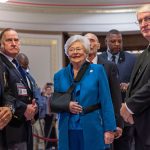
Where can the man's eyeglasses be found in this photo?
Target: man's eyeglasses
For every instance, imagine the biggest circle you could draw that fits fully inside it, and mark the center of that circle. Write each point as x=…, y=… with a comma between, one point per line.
x=146, y=20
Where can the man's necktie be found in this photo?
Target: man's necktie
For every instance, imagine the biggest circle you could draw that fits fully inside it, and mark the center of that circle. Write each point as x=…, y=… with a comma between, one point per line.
x=14, y=61
x=19, y=68
x=113, y=58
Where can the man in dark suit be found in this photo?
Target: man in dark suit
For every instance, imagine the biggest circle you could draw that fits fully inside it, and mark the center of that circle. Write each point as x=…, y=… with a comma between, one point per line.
x=6, y=108
x=112, y=74
x=125, y=63
x=24, y=62
x=136, y=108
x=19, y=130
x=37, y=124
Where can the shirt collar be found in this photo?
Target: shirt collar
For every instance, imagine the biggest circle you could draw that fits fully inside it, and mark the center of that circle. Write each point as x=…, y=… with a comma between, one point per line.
x=94, y=61
x=8, y=57
x=109, y=54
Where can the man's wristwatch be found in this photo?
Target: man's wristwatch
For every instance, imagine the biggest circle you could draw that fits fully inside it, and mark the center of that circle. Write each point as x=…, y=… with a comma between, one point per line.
x=12, y=109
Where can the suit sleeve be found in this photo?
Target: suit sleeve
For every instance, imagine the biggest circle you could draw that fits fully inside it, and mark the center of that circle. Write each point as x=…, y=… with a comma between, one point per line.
x=19, y=106
x=106, y=102
x=140, y=100
x=9, y=98
x=115, y=93
x=5, y=92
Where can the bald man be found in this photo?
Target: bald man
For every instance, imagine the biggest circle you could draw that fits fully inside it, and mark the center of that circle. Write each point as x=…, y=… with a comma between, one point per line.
x=112, y=74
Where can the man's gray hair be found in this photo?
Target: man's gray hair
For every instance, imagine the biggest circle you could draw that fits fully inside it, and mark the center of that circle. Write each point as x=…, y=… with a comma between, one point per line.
x=144, y=8
x=84, y=41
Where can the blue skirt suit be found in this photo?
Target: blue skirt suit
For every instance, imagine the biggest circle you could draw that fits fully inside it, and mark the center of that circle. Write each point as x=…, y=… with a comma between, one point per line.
x=92, y=89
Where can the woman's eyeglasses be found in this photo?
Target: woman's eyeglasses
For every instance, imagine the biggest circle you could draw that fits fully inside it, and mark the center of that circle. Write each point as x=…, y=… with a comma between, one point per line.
x=75, y=49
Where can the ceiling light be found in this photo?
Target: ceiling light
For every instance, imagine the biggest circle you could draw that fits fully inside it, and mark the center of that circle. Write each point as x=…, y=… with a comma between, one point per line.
x=3, y=1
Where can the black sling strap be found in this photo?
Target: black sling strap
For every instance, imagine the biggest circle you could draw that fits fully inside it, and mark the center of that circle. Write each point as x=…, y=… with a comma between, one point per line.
x=60, y=101
x=79, y=76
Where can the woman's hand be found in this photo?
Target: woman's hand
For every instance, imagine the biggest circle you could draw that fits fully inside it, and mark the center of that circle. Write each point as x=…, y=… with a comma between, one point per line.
x=75, y=108
x=109, y=137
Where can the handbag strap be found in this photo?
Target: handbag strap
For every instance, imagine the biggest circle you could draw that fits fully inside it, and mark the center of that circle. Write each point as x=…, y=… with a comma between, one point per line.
x=79, y=76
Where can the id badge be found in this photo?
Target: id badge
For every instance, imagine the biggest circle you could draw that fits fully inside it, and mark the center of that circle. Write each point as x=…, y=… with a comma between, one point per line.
x=22, y=91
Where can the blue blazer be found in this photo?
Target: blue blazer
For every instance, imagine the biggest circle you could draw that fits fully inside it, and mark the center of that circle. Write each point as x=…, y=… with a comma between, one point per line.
x=92, y=89
x=125, y=66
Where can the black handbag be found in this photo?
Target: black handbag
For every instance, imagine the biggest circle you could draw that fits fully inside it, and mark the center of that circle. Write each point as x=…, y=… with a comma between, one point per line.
x=60, y=101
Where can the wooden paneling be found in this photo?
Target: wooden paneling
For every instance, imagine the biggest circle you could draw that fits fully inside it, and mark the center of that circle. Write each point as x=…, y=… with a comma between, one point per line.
x=130, y=42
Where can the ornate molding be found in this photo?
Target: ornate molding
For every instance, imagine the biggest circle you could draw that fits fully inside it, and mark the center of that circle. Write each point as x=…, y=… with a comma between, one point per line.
x=70, y=9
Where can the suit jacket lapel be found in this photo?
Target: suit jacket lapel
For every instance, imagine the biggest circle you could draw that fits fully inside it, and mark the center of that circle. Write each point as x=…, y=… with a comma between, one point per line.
x=10, y=65
x=104, y=55
x=31, y=81
x=121, y=57
x=99, y=59
x=140, y=72
x=1, y=77
x=139, y=68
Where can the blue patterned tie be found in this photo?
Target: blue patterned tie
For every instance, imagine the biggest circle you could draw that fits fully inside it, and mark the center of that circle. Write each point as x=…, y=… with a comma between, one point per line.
x=19, y=68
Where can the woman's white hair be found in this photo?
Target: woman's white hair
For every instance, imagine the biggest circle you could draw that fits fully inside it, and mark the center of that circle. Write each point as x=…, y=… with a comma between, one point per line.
x=84, y=41
x=144, y=8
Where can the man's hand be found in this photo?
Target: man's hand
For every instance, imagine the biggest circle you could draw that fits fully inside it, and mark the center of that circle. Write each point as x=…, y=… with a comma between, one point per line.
x=31, y=110
x=118, y=132
x=34, y=104
x=126, y=114
x=124, y=87
x=5, y=116
x=130, y=119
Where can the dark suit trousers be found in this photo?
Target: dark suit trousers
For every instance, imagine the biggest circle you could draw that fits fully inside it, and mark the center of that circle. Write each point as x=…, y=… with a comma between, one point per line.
x=2, y=148
x=48, y=128
x=2, y=145
x=139, y=145
x=19, y=146
x=125, y=142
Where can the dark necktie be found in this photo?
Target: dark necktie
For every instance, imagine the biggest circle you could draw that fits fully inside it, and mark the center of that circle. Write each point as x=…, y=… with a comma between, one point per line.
x=19, y=68
x=113, y=58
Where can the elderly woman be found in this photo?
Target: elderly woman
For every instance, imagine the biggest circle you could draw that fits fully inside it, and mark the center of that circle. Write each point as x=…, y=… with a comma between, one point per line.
x=92, y=130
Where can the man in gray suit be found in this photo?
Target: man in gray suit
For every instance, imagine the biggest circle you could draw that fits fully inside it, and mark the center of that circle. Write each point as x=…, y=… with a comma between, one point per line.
x=136, y=108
